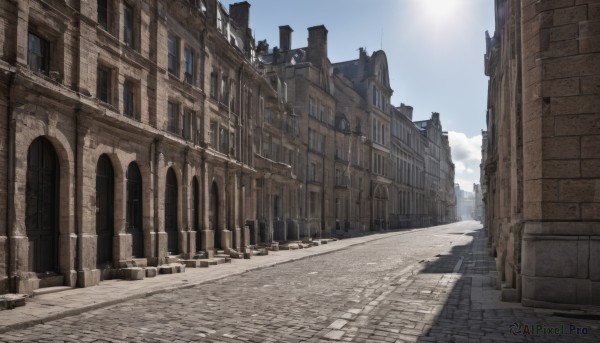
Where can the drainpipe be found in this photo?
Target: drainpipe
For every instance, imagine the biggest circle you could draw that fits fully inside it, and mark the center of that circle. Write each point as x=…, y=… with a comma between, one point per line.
x=12, y=279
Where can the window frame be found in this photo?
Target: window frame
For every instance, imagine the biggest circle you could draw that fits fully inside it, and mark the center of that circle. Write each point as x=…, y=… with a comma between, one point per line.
x=173, y=118
x=188, y=54
x=129, y=97
x=43, y=55
x=107, y=90
x=173, y=56
x=129, y=26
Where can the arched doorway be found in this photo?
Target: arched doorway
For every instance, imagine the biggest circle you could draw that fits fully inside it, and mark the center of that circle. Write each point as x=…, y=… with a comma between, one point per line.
x=134, y=210
x=41, y=217
x=104, y=211
x=196, y=210
x=171, y=196
x=380, y=203
x=213, y=214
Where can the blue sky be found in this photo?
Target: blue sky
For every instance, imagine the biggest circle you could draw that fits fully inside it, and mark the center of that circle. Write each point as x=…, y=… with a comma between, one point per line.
x=434, y=48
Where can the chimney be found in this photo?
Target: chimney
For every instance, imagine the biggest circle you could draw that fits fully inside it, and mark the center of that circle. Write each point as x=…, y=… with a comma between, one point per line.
x=275, y=55
x=317, y=45
x=263, y=47
x=240, y=13
x=406, y=110
x=362, y=54
x=285, y=38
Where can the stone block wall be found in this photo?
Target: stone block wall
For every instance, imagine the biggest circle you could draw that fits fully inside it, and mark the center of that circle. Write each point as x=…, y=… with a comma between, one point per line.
x=560, y=128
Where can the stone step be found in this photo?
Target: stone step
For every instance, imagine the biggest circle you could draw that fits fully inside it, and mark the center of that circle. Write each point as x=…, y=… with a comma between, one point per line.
x=191, y=263
x=140, y=262
x=10, y=301
x=222, y=256
x=134, y=273
x=172, y=259
x=151, y=271
x=51, y=280
x=171, y=268
x=50, y=290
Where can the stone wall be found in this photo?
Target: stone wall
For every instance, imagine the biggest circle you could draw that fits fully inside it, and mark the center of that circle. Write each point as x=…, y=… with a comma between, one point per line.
x=543, y=209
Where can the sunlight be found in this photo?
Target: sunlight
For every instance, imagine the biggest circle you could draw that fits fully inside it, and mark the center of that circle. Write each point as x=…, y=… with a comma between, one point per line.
x=439, y=10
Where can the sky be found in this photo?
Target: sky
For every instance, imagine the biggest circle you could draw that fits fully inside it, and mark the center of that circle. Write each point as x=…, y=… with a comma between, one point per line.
x=434, y=48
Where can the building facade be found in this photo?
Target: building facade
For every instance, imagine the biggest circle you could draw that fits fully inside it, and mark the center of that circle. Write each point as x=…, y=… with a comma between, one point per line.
x=541, y=168
x=141, y=133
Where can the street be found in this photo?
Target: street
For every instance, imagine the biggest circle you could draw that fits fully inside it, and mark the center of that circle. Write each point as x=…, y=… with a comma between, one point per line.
x=422, y=285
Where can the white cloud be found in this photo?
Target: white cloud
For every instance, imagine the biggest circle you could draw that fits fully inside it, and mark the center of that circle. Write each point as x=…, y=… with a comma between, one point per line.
x=466, y=155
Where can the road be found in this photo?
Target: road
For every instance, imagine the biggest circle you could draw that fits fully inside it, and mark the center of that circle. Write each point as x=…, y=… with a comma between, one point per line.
x=422, y=285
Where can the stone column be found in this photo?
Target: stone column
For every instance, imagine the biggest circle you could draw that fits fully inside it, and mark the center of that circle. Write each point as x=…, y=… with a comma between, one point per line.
x=207, y=237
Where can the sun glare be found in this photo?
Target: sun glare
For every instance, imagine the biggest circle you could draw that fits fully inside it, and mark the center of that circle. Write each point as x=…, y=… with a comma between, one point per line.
x=439, y=10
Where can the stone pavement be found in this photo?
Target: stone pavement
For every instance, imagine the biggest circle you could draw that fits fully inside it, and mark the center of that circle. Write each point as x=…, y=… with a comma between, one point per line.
x=423, y=285
x=48, y=307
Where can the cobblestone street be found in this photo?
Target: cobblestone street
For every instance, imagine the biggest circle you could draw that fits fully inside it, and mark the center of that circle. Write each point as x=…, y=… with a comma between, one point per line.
x=423, y=285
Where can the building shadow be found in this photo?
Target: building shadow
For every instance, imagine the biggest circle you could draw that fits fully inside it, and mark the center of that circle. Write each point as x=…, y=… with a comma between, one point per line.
x=471, y=311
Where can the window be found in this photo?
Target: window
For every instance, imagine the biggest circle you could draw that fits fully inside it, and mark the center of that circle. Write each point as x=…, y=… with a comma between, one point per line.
x=312, y=203
x=173, y=51
x=189, y=65
x=103, y=85
x=378, y=164
x=38, y=53
x=188, y=125
x=232, y=92
x=378, y=132
x=312, y=172
x=128, y=25
x=322, y=113
x=224, y=91
x=312, y=107
x=104, y=14
x=214, y=130
x=173, y=119
x=128, y=99
x=223, y=140
x=213, y=85
x=375, y=96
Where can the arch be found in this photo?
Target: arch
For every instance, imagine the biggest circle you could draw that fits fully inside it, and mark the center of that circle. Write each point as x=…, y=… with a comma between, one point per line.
x=213, y=214
x=42, y=210
x=134, y=217
x=105, y=197
x=171, y=212
x=380, y=203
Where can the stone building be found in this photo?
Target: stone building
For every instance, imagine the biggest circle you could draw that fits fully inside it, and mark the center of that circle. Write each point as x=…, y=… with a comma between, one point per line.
x=541, y=171
x=440, y=200
x=408, y=157
x=142, y=133
x=130, y=133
